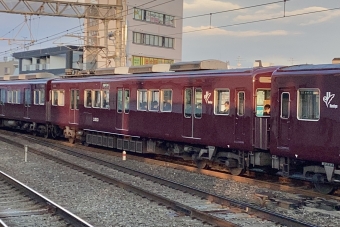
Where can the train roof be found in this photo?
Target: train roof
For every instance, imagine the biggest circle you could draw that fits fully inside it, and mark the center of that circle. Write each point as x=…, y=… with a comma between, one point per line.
x=308, y=67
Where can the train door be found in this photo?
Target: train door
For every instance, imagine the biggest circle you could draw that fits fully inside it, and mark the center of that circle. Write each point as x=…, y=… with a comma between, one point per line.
x=284, y=119
x=123, y=109
x=192, y=112
x=28, y=102
x=240, y=117
x=2, y=101
x=74, y=109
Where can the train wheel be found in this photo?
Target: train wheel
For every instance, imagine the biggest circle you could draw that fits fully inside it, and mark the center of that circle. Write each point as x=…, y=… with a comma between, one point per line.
x=321, y=184
x=201, y=164
x=47, y=132
x=236, y=171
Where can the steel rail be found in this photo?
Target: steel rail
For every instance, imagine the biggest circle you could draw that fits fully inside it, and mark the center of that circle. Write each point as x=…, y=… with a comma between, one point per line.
x=246, y=207
x=68, y=216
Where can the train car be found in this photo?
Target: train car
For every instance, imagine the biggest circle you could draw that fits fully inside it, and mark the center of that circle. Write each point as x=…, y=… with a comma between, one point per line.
x=210, y=116
x=305, y=123
x=24, y=102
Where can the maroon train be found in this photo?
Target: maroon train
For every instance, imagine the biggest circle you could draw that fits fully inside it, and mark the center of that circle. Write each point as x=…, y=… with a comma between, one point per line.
x=212, y=116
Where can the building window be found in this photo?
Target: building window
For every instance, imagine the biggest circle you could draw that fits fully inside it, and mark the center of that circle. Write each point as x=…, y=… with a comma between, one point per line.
x=138, y=60
x=7, y=71
x=153, y=40
x=309, y=104
x=153, y=17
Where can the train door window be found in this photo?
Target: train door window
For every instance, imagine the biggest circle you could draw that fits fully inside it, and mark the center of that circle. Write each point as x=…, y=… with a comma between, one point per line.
x=222, y=101
x=96, y=99
x=240, y=103
x=262, y=102
x=3, y=96
x=308, y=104
x=74, y=99
x=120, y=100
x=127, y=101
x=105, y=98
x=198, y=103
x=153, y=100
x=9, y=96
x=142, y=100
x=166, y=100
x=187, y=103
x=285, y=105
x=88, y=99
x=28, y=100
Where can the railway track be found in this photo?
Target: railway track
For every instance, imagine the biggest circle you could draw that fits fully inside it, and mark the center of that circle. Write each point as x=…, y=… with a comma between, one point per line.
x=22, y=206
x=210, y=208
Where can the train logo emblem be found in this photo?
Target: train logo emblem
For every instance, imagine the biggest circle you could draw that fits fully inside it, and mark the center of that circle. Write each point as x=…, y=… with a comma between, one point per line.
x=206, y=97
x=327, y=99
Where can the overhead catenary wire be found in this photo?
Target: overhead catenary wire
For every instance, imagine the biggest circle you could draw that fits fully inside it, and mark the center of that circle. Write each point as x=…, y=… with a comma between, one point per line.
x=203, y=29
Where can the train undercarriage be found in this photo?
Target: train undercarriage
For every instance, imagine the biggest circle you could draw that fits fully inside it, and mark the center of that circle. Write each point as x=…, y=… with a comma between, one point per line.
x=325, y=176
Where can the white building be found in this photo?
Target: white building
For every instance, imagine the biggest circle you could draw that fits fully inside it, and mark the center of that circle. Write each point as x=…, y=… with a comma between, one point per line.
x=151, y=33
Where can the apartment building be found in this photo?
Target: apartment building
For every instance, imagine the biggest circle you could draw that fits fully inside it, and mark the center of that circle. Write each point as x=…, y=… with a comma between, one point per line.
x=8, y=66
x=53, y=60
x=149, y=33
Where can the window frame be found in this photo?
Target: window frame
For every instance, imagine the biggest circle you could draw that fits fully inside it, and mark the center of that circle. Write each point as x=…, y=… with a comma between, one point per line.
x=86, y=104
x=238, y=103
x=163, y=100
x=98, y=91
x=120, y=110
x=140, y=102
x=61, y=100
x=288, y=106
x=41, y=97
x=298, y=104
x=217, y=105
x=189, y=115
x=150, y=92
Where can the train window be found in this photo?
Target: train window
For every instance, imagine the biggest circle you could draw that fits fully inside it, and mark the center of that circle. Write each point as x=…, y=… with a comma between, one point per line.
x=74, y=99
x=9, y=96
x=142, y=100
x=96, y=99
x=222, y=101
x=127, y=101
x=262, y=102
x=166, y=100
x=309, y=104
x=39, y=97
x=28, y=100
x=198, y=102
x=58, y=98
x=153, y=100
x=88, y=99
x=16, y=97
x=120, y=100
x=285, y=105
x=3, y=96
x=187, y=103
x=105, y=98
x=240, y=103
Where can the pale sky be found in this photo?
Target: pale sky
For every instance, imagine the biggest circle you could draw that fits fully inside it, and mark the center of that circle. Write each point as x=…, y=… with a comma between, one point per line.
x=230, y=36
